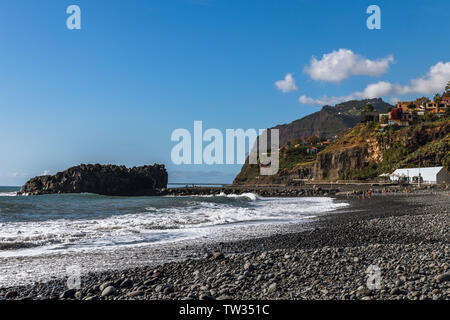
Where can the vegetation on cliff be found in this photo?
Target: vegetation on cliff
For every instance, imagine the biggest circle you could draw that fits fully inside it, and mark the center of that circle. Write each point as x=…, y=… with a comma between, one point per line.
x=368, y=150
x=363, y=153
x=329, y=121
x=295, y=160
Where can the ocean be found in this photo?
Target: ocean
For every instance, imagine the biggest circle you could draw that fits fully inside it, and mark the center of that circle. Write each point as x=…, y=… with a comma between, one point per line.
x=60, y=223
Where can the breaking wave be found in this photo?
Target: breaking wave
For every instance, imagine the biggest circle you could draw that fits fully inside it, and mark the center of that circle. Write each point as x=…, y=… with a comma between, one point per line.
x=58, y=223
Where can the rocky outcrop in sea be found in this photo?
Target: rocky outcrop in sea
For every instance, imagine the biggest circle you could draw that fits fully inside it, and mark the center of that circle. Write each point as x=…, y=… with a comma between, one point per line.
x=108, y=180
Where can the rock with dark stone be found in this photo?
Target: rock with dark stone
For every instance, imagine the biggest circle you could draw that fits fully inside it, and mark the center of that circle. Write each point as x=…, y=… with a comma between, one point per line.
x=443, y=277
x=11, y=295
x=126, y=283
x=135, y=293
x=110, y=180
x=68, y=294
x=109, y=291
x=218, y=255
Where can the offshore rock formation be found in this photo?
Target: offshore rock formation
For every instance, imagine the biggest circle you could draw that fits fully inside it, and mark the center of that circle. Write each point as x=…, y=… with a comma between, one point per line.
x=108, y=180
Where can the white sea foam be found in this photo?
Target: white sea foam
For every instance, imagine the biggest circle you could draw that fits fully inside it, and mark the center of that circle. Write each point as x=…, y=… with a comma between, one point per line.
x=8, y=194
x=159, y=224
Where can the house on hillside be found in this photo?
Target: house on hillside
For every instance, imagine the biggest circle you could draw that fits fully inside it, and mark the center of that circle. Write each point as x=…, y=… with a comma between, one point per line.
x=431, y=175
x=446, y=101
x=405, y=104
x=438, y=108
x=400, y=117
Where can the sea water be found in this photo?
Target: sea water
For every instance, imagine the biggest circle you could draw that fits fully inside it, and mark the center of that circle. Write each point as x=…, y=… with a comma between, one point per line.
x=35, y=225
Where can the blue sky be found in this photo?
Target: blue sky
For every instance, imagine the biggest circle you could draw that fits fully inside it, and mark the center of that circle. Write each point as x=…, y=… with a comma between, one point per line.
x=114, y=91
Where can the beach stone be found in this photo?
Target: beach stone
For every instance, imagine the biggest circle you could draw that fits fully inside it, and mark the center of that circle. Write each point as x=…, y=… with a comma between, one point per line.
x=11, y=294
x=68, y=294
x=218, y=256
x=443, y=277
x=135, y=293
x=273, y=287
x=126, y=283
x=206, y=297
x=168, y=290
x=148, y=282
x=396, y=291
x=248, y=266
x=207, y=255
x=109, y=291
x=105, y=285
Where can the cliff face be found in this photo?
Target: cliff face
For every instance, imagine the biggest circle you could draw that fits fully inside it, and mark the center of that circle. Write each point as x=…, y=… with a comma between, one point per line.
x=101, y=179
x=333, y=165
x=364, y=152
x=367, y=151
x=328, y=122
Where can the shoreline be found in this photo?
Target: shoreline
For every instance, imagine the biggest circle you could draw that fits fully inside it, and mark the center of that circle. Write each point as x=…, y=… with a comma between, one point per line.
x=323, y=259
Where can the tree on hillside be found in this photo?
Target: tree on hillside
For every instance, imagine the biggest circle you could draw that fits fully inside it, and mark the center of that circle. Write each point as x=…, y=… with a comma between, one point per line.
x=422, y=101
x=411, y=106
x=389, y=109
x=312, y=140
x=447, y=90
x=296, y=141
x=368, y=107
x=437, y=98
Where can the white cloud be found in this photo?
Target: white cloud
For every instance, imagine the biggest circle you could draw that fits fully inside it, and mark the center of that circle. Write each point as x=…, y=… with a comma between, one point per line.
x=434, y=82
x=341, y=64
x=394, y=100
x=46, y=172
x=286, y=85
x=325, y=100
x=375, y=90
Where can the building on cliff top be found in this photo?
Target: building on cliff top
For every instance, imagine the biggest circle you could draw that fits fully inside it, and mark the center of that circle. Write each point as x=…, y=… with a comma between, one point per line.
x=400, y=116
x=430, y=175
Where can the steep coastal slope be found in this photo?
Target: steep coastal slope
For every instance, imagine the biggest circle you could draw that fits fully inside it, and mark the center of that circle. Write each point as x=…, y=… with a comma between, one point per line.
x=363, y=153
x=367, y=151
x=329, y=121
x=326, y=123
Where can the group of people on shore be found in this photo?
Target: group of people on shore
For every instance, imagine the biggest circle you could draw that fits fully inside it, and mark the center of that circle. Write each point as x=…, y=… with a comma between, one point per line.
x=367, y=194
x=361, y=194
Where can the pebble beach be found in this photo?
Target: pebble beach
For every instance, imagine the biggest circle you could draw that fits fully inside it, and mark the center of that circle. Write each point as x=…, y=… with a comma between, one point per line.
x=386, y=247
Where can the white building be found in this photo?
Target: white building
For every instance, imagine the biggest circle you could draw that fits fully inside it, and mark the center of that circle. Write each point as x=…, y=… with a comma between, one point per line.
x=431, y=175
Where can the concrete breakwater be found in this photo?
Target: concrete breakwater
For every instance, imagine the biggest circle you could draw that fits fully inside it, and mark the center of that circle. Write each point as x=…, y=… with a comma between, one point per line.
x=280, y=191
